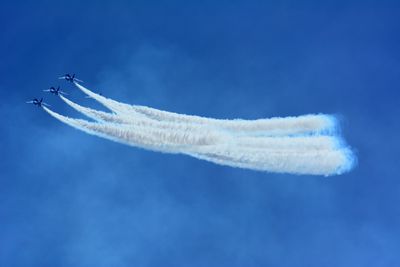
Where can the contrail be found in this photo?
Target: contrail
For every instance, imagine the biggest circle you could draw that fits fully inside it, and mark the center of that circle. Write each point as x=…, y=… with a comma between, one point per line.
x=145, y=137
x=202, y=136
x=92, y=113
x=273, y=126
x=214, y=148
x=307, y=124
x=278, y=142
x=305, y=149
x=132, y=120
x=328, y=162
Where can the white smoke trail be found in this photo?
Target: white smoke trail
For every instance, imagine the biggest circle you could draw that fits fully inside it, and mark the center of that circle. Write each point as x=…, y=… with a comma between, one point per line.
x=132, y=120
x=274, y=126
x=315, y=162
x=112, y=105
x=145, y=137
x=92, y=113
x=278, y=142
x=307, y=124
x=316, y=154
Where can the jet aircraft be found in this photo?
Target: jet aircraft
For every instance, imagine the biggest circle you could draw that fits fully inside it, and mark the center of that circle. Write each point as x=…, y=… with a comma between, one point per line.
x=55, y=91
x=38, y=102
x=70, y=78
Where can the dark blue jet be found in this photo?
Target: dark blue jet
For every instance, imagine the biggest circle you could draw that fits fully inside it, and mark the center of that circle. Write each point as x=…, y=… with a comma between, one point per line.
x=55, y=91
x=38, y=102
x=70, y=78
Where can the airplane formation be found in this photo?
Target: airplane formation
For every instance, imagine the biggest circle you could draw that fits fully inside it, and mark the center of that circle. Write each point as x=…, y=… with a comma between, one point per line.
x=56, y=91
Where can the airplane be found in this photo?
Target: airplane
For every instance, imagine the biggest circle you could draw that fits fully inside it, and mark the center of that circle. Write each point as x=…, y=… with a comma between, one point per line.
x=70, y=78
x=37, y=102
x=55, y=91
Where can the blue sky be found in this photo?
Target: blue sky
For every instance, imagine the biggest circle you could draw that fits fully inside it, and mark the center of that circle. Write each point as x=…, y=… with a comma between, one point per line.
x=70, y=199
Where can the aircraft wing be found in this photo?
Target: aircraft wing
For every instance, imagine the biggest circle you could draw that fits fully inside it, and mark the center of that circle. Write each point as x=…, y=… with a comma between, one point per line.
x=29, y=102
x=46, y=90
